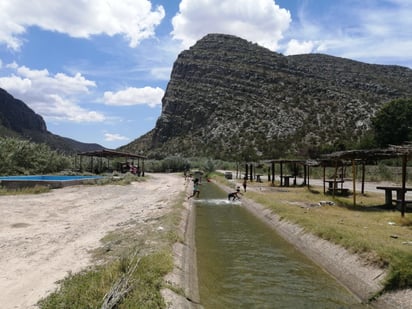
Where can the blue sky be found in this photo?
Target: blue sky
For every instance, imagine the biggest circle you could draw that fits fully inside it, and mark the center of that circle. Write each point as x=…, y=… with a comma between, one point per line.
x=96, y=70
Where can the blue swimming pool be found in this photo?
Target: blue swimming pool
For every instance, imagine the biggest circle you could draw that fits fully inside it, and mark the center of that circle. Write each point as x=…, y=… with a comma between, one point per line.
x=51, y=181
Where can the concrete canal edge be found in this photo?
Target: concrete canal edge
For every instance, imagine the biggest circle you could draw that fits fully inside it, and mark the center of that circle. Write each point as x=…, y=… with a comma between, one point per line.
x=355, y=274
x=183, y=278
x=358, y=276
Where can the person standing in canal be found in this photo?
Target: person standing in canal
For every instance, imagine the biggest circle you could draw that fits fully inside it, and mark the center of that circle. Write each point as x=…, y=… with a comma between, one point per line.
x=196, y=190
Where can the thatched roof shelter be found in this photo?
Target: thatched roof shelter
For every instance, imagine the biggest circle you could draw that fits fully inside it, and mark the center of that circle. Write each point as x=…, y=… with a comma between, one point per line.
x=373, y=155
x=111, y=154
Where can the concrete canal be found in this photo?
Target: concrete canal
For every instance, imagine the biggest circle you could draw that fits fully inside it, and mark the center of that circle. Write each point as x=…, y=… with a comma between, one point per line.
x=242, y=263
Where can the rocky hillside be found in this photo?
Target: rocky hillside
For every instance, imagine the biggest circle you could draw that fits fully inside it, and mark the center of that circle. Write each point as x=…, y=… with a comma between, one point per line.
x=229, y=98
x=20, y=121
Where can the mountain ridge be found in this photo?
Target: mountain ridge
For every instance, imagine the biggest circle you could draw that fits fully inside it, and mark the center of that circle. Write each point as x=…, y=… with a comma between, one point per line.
x=20, y=121
x=228, y=98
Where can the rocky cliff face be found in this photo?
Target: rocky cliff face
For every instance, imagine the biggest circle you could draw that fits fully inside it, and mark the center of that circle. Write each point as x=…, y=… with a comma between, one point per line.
x=19, y=120
x=229, y=98
x=17, y=116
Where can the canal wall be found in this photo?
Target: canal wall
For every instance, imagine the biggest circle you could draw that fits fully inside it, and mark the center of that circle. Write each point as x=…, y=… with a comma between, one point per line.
x=184, y=292
x=357, y=275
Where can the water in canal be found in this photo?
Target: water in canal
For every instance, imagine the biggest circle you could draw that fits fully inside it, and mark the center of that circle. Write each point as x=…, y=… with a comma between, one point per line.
x=242, y=263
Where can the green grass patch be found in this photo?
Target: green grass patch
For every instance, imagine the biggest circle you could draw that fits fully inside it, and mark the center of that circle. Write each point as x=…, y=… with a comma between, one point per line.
x=380, y=235
x=29, y=190
x=87, y=289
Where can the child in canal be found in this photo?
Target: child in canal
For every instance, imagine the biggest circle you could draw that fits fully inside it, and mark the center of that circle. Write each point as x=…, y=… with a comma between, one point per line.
x=234, y=195
x=196, y=190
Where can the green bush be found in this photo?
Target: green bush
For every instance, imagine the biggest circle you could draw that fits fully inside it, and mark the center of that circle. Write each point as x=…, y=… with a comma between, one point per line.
x=22, y=157
x=393, y=123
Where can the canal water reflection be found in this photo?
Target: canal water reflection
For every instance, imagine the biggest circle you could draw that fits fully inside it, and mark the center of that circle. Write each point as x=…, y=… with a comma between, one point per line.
x=242, y=263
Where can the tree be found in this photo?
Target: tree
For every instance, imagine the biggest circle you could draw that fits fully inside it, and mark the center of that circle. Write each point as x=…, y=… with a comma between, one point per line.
x=393, y=123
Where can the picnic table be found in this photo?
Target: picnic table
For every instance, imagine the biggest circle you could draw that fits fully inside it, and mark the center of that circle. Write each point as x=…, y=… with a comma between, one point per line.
x=286, y=179
x=388, y=194
x=333, y=186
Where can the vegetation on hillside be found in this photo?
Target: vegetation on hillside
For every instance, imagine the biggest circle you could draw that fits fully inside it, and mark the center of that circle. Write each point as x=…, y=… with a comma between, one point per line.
x=233, y=100
x=22, y=157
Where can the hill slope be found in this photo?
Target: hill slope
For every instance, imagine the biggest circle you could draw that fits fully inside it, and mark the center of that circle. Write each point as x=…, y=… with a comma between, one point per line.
x=20, y=121
x=229, y=98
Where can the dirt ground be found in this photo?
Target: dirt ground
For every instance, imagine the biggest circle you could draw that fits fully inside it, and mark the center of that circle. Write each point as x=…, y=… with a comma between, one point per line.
x=45, y=236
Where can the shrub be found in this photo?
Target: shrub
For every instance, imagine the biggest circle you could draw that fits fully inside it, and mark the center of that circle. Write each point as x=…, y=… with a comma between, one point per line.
x=22, y=157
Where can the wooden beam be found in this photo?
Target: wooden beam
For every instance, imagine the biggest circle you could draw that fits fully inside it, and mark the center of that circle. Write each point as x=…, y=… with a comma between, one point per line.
x=404, y=162
x=354, y=181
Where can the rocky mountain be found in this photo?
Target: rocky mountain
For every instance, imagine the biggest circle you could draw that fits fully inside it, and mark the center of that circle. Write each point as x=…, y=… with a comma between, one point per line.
x=232, y=99
x=19, y=120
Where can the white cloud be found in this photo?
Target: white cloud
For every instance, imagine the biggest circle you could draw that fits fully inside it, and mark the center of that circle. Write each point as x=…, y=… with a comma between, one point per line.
x=134, y=19
x=135, y=96
x=53, y=97
x=113, y=137
x=16, y=84
x=260, y=21
x=295, y=47
x=370, y=31
x=161, y=73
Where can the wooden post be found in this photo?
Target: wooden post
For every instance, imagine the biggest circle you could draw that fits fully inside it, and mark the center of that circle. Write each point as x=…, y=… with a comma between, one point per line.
x=281, y=174
x=324, y=178
x=273, y=173
x=334, y=177
x=294, y=173
x=403, y=206
x=363, y=177
x=354, y=181
x=251, y=171
x=305, y=173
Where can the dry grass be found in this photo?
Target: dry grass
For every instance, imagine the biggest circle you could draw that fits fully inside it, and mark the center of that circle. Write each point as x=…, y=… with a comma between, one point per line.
x=139, y=254
x=382, y=236
x=38, y=189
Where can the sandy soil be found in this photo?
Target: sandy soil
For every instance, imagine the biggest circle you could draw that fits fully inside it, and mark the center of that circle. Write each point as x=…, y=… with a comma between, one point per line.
x=43, y=237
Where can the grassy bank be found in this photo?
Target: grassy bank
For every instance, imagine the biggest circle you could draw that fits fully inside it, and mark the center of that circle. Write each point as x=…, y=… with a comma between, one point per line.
x=131, y=264
x=380, y=236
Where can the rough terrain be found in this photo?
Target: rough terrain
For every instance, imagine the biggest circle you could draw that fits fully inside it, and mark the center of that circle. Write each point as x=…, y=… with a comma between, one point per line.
x=44, y=237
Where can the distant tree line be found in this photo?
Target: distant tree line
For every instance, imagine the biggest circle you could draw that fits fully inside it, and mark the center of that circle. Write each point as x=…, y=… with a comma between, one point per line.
x=392, y=125
x=22, y=157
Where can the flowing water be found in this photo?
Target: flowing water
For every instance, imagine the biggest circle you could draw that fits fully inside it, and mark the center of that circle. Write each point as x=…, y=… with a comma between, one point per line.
x=242, y=263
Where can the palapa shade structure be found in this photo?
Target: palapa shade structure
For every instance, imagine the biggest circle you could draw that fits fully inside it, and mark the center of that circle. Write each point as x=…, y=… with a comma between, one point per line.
x=373, y=155
x=110, y=154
